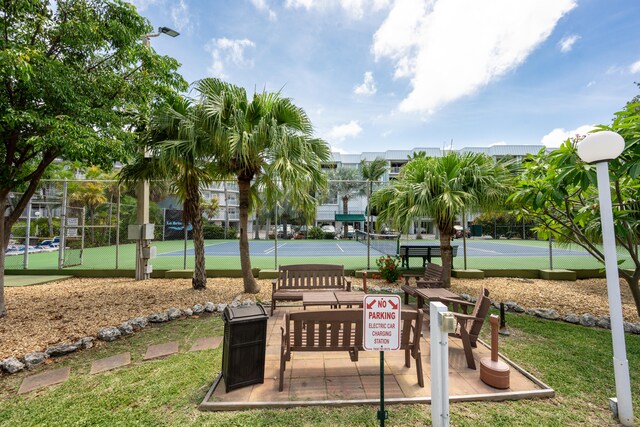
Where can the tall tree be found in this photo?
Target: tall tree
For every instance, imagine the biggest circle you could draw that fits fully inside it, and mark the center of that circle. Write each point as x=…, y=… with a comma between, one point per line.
x=372, y=172
x=439, y=188
x=179, y=151
x=264, y=142
x=70, y=72
x=346, y=182
x=560, y=191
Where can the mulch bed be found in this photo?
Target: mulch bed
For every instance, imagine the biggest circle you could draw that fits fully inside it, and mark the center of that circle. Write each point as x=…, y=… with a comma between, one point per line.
x=43, y=315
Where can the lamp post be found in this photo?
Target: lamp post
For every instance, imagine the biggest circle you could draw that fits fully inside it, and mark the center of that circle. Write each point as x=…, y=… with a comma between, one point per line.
x=600, y=148
x=142, y=190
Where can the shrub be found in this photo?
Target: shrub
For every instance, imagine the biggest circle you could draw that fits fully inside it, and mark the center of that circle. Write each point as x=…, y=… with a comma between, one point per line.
x=315, y=233
x=213, y=231
x=388, y=267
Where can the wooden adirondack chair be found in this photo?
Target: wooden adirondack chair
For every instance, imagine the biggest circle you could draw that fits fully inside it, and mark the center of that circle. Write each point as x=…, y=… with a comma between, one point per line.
x=469, y=325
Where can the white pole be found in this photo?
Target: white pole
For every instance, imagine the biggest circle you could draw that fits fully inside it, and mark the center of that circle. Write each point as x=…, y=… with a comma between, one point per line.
x=620, y=363
x=439, y=367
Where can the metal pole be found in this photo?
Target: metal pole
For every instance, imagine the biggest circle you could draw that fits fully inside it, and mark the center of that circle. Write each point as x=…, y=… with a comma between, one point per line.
x=184, y=257
x=369, y=227
x=620, y=363
x=275, y=248
x=63, y=218
x=550, y=252
x=164, y=221
x=464, y=238
x=118, y=228
x=27, y=236
x=82, y=230
x=382, y=414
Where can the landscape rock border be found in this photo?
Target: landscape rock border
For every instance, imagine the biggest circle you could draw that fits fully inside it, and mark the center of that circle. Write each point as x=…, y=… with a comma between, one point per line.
x=15, y=364
x=12, y=365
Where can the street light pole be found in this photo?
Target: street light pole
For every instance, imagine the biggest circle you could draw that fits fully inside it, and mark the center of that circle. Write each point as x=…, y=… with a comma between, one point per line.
x=600, y=148
x=142, y=190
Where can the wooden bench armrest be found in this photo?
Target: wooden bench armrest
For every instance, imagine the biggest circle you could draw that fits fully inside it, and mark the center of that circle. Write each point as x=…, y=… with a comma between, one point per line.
x=456, y=301
x=465, y=317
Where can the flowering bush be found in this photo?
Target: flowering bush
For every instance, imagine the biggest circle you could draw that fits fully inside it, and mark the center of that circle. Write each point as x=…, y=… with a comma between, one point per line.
x=388, y=267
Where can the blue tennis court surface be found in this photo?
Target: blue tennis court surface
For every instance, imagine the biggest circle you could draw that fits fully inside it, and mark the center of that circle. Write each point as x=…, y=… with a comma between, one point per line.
x=350, y=248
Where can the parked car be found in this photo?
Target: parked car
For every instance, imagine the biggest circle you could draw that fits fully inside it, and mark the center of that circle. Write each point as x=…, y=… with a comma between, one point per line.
x=351, y=232
x=47, y=245
x=329, y=231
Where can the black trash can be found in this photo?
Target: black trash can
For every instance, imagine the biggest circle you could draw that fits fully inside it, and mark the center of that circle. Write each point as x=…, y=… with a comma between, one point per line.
x=245, y=345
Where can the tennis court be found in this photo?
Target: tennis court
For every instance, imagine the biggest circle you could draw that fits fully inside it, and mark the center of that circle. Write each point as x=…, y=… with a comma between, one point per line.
x=224, y=254
x=349, y=248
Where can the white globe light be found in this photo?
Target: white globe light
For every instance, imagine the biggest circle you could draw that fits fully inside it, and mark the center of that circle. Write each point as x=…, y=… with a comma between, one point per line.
x=601, y=147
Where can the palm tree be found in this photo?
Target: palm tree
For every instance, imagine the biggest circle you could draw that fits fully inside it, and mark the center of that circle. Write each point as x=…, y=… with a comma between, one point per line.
x=347, y=182
x=180, y=150
x=264, y=142
x=439, y=188
x=372, y=172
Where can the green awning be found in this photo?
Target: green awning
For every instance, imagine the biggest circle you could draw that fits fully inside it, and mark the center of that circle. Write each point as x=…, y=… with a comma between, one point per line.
x=349, y=217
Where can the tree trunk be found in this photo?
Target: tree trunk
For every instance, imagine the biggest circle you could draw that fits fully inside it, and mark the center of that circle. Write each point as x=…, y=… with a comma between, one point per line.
x=193, y=215
x=199, y=280
x=250, y=285
x=445, y=250
x=632, y=281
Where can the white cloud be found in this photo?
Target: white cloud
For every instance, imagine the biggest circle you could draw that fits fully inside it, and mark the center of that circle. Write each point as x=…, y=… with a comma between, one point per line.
x=450, y=49
x=341, y=132
x=566, y=44
x=262, y=6
x=591, y=83
x=368, y=86
x=559, y=135
x=498, y=143
x=336, y=149
x=180, y=16
x=635, y=67
x=224, y=51
x=142, y=5
x=354, y=9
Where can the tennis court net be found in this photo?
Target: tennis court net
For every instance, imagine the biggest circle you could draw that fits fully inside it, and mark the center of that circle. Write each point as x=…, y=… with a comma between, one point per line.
x=386, y=244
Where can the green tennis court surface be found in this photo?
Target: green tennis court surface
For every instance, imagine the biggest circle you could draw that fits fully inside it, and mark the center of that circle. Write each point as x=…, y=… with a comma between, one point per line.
x=266, y=254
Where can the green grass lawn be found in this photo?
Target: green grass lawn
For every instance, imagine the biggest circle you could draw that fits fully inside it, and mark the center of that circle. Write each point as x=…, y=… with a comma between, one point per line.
x=575, y=361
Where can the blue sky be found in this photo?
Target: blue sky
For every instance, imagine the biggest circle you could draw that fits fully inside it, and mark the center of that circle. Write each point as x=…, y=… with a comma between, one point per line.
x=375, y=75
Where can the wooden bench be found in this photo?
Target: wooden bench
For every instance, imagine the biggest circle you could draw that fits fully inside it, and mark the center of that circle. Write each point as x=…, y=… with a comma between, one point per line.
x=293, y=280
x=341, y=330
x=426, y=252
x=431, y=278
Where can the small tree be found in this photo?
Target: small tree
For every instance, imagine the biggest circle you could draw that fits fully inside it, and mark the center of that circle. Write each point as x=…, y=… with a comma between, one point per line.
x=71, y=75
x=560, y=191
x=439, y=188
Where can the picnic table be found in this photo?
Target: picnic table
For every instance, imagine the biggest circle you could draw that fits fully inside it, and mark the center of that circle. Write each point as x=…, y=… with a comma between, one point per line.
x=333, y=299
x=433, y=294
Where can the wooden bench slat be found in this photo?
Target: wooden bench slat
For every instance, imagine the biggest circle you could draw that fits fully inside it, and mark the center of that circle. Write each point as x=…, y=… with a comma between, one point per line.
x=292, y=280
x=341, y=330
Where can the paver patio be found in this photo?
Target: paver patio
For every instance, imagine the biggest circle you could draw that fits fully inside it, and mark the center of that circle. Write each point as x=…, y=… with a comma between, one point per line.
x=331, y=378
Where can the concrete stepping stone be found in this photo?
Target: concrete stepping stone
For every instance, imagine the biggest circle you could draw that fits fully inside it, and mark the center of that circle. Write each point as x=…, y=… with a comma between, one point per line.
x=44, y=379
x=109, y=363
x=161, y=350
x=206, y=343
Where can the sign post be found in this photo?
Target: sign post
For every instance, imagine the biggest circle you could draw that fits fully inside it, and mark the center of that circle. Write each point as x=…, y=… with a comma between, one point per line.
x=381, y=332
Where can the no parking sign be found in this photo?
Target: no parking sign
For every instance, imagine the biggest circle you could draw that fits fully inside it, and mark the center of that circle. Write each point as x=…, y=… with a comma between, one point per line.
x=381, y=322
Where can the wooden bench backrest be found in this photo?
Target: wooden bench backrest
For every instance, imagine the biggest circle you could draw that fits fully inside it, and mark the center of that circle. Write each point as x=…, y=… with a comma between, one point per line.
x=311, y=277
x=336, y=330
x=480, y=310
x=436, y=252
x=433, y=271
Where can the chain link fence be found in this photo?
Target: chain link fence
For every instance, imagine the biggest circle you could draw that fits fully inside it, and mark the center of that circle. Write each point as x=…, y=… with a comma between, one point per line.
x=83, y=224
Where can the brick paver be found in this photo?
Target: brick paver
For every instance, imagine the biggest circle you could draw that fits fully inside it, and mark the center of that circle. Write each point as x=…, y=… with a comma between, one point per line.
x=109, y=363
x=44, y=379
